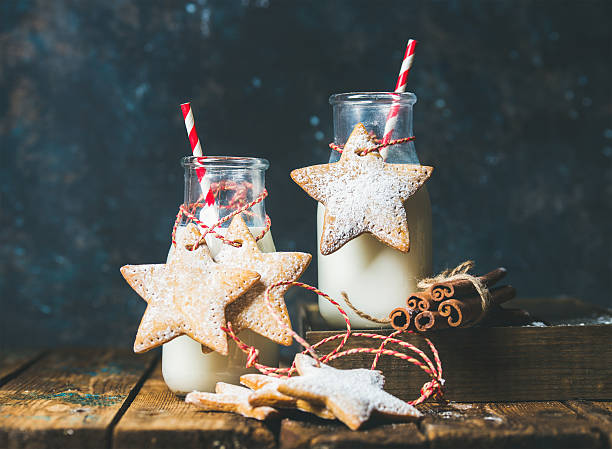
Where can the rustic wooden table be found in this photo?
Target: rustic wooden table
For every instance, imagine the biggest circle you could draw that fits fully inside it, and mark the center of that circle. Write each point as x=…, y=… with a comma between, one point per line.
x=88, y=398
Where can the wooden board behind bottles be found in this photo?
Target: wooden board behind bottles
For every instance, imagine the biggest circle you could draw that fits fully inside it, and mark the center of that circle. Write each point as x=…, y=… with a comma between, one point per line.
x=571, y=358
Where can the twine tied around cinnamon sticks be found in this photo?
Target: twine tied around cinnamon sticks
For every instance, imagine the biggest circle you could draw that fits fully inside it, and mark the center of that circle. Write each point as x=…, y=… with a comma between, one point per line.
x=455, y=298
x=444, y=286
x=459, y=273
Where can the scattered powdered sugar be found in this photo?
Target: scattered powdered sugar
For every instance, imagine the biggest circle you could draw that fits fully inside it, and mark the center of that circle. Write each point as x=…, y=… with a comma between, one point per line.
x=461, y=406
x=449, y=414
x=537, y=324
x=352, y=395
x=362, y=194
x=588, y=321
x=494, y=418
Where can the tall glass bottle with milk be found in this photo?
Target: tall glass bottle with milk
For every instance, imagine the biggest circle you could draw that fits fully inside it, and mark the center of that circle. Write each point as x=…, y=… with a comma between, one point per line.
x=236, y=181
x=375, y=277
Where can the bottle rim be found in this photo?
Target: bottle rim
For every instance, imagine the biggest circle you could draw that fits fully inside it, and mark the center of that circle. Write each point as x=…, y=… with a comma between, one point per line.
x=225, y=162
x=407, y=98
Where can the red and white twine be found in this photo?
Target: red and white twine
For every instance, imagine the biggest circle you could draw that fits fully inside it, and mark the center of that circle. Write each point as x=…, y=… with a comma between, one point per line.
x=432, y=388
x=380, y=147
x=188, y=211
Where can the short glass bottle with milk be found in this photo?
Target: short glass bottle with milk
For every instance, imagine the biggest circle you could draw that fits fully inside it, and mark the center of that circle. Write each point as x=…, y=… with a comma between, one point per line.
x=375, y=277
x=236, y=182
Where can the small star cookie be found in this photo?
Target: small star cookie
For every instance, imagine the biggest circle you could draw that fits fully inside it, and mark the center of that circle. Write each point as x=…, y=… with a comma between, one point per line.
x=230, y=398
x=362, y=194
x=353, y=396
x=250, y=310
x=266, y=394
x=186, y=296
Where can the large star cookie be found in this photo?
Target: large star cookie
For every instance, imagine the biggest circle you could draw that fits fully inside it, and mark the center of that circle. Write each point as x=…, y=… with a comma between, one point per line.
x=266, y=394
x=230, y=398
x=250, y=310
x=352, y=395
x=362, y=194
x=186, y=296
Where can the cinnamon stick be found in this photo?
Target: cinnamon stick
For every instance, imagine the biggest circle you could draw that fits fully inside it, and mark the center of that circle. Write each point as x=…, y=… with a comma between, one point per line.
x=459, y=312
x=499, y=316
x=429, y=320
x=413, y=302
x=420, y=301
x=462, y=288
x=500, y=295
x=467, y=310
x=400, y=319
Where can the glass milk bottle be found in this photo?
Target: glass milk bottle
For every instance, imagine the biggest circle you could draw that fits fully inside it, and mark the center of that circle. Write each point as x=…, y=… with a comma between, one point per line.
x=235, y=181
x=376, y=277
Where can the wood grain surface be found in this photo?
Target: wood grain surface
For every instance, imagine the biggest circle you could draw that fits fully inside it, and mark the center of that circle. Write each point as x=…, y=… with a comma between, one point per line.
x=560, y=362
x=114, y=399
x=508, y=425
x=14, y=361
x=310, y=434
x=159, y=419
x=70, y=398
x=598, y=413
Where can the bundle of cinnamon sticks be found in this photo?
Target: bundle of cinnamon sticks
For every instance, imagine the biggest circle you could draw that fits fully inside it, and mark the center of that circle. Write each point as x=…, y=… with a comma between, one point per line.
x=457, y=303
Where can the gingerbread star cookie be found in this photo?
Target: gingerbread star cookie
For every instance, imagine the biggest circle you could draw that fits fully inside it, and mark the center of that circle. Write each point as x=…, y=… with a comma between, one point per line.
x=353, y=396
x=186, y=296
x=266, y=394
x=250, y=310
x=230, y=398
x=362, y=194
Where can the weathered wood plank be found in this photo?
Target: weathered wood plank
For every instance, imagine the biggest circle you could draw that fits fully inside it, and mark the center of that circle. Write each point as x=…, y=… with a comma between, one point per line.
x=14, y=361
x=501, y=364
x=563, y=310
x=69, y=398
x=299, y=434
x=543, y=363
x=598, y=413
x=507, y=425
x=159, y=419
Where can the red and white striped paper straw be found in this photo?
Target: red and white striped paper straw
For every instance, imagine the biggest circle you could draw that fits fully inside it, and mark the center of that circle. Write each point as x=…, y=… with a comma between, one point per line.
x=400, y=87
x=196, y=150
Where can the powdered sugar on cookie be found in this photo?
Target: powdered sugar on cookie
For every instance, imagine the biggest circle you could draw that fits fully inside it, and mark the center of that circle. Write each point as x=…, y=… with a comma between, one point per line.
x=352, y=395
x=362, y=194
x=250, y=310
x=186, y=296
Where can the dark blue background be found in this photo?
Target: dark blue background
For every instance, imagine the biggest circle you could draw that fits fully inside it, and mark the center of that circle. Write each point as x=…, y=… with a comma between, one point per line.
x=514, y=112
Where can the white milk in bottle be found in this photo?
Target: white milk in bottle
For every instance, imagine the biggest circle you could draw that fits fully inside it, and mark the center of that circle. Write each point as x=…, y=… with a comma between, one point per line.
x=375, y=277
x=184, y=367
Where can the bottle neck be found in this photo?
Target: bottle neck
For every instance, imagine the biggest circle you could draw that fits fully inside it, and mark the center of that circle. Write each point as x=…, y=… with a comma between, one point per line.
x=373, y=111
x=220, y=189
